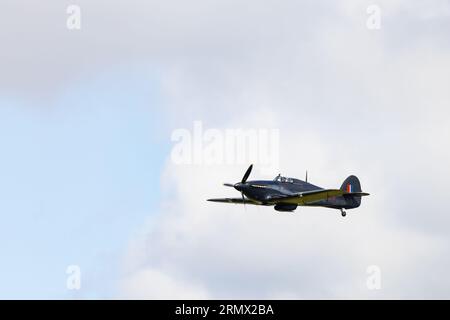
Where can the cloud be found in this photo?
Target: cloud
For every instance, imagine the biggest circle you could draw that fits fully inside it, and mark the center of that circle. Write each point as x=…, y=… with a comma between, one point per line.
x=347, y=101
x=153, y=284
x=232, y=252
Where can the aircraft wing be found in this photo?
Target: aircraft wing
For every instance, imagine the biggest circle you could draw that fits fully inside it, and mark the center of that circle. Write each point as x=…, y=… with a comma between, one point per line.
x=301, y=198
x=234, y=200
x=308, y=197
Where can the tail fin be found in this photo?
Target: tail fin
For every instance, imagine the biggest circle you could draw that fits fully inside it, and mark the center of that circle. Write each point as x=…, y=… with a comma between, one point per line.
x=352, y=187
x=351, y=184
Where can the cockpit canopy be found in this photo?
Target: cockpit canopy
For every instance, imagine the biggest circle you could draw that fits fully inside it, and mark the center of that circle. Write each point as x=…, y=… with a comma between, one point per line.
x=279, y=178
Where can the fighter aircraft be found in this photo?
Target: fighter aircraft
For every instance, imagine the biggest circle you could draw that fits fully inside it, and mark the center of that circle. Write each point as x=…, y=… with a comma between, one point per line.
x=288, y=193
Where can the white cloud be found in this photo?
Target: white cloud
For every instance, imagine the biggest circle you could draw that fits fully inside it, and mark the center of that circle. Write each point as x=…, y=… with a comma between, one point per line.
x=347, y=101
x=232, y=252
x=154, y=284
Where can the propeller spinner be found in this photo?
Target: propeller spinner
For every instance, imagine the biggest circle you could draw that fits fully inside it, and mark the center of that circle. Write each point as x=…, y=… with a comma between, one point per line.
x=238, y=186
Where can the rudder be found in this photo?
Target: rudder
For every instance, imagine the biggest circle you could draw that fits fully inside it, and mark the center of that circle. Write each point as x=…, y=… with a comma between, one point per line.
x=352, y=184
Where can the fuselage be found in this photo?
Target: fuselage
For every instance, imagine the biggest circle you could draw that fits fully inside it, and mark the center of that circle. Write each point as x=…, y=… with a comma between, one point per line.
x=263, y=190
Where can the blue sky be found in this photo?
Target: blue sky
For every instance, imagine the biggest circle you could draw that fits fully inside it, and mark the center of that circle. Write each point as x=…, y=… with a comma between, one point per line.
x=79, y=173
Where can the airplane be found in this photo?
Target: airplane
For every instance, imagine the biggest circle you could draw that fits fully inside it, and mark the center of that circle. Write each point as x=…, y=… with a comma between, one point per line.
x=286, y=194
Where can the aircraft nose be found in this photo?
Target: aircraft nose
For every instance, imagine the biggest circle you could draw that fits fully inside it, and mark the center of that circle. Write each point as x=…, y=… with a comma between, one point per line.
x=241, y=187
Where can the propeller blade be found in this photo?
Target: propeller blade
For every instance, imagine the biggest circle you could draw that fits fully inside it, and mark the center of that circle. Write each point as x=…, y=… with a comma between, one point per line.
x=228, y=185
x=247, y=173
x=306, y=179
x=243, y=200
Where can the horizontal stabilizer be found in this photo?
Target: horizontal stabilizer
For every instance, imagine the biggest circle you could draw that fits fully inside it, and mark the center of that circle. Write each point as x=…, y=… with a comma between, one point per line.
x=357, y=194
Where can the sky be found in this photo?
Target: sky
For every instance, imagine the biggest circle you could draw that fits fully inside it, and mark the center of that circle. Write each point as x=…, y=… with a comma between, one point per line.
x=87, y=175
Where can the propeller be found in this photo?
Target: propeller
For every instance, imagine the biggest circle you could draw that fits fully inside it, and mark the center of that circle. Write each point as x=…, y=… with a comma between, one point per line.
x=243, y=200
x=238, y=186
x=306, y=179
x=247, y=173
x=244, y=180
